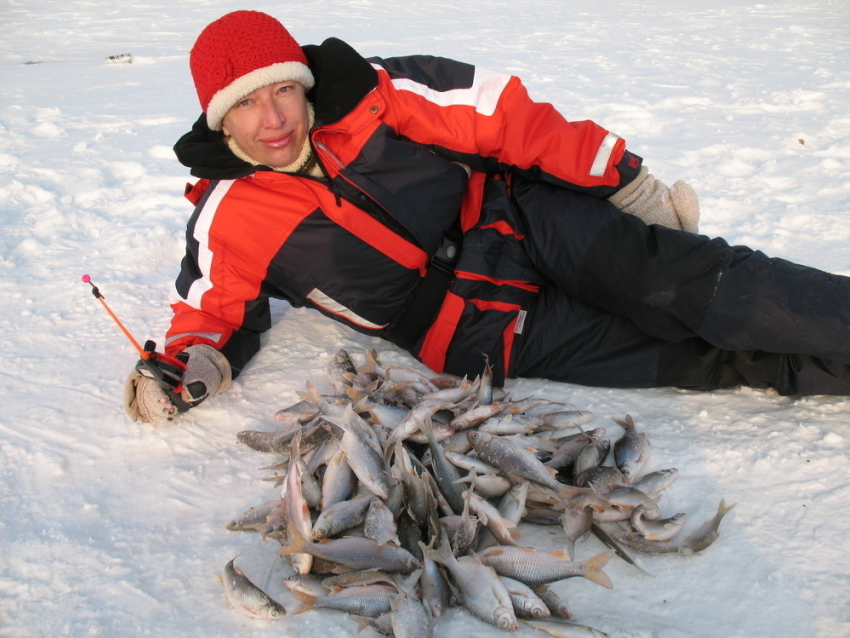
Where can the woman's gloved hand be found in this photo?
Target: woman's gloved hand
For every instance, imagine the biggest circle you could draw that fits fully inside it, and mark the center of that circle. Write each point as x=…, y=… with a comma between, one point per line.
x=207, y=372
x=649, y=199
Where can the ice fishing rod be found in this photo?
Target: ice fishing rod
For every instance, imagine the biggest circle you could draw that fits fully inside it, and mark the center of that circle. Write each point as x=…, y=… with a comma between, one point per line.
x=166, y=370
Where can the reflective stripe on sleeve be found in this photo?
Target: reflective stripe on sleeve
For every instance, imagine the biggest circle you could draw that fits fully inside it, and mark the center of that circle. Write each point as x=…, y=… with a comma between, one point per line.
x=484, y=94
x=212, y=336
x=201, y=234
x=321, y=299
x=603, y=155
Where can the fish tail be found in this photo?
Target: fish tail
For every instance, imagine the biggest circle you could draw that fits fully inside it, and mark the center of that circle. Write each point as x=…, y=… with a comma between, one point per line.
x=571, y=547
x=593, y=569
x=722, y=509
x=312, y=395
x=371, y=364
x=297, y=542
x=443, y=554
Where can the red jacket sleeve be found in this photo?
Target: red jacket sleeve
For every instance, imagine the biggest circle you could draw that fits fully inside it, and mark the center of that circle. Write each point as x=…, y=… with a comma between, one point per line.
x=490, y=118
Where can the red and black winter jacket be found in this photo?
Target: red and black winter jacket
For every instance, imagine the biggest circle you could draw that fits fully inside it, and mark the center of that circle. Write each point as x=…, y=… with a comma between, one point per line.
x=412, y=146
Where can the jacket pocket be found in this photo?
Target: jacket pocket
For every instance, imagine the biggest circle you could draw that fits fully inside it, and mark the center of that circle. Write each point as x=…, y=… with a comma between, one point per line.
x=468, y=330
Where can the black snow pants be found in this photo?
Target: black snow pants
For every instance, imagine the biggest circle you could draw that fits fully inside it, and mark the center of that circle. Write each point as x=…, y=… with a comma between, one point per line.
x=636, y=306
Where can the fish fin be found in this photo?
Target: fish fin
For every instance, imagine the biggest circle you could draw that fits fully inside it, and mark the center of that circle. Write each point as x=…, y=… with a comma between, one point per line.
x=593, y=569
x=297, y=542
x=362, y=622
x=561, y=553
x=514, y=533
x=302, y=609
x=568, y=494
x=305, y=597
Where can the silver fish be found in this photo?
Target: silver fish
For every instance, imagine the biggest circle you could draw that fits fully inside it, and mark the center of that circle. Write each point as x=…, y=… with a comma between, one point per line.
x=341, y=516
x=505, y=531
x=557, y=607
x=535, y=567
x=566, y=419
x=566, y=629
x=511, y=507
x=512, y=459
x=637, y=542
x=526, y=603
x=632, y=450
x=707, y=533
x=446, y=473
x=247, y=597
x=568, y=448
x=662, y=529
x=253, y=518
x=339, y=367
x=296, y=508
x=365, y=600
x=479, y=588
x=360, y=578
x=473, y=417
x=435, y=589
x=485, y=389
x=592, y=455
x=338, y=481
x=655, y=482
x=366, y=463
x=602, y=478
x=410, y=618
x=576, y=522
x=306, y=583
x=297, y=414
x=380, y=524
x=271, y=442
x=354, y=553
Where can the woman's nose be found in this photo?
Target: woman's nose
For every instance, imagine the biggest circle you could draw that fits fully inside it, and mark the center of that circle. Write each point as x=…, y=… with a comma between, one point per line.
x=272, y=115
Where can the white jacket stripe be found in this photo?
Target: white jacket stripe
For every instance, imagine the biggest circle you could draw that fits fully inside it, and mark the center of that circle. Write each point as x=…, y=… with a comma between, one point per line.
x=201, y=234
x=484, y=94
x=603, y=155
x=331, y=305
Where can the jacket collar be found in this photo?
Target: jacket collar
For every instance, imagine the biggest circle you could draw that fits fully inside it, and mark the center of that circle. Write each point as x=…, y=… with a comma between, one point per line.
x=343, y=79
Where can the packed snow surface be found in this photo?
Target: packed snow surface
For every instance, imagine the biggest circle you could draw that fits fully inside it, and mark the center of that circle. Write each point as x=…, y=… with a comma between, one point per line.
x=114, y=528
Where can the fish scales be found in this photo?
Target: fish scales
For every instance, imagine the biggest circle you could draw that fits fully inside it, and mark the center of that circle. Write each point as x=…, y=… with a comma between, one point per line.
x=246, y=596
x=512, y=459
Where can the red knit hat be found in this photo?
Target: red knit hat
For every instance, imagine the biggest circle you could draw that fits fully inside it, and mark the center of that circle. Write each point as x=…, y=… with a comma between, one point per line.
x=240, y=53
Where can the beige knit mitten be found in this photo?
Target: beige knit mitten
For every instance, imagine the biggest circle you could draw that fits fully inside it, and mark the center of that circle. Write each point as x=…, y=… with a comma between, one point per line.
x=145, y=401
x=649, y=199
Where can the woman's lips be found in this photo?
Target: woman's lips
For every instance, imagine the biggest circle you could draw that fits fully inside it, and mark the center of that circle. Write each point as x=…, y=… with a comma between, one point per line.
x=277, y=142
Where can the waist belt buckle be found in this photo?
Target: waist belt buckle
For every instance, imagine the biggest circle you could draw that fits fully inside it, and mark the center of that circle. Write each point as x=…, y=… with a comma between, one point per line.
x=447, y=255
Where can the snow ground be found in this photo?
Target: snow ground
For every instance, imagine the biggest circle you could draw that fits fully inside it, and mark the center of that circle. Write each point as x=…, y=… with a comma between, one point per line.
x=113, y=528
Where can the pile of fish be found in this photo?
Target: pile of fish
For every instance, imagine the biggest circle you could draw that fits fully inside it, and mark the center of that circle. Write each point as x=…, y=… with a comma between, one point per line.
x=402, y=493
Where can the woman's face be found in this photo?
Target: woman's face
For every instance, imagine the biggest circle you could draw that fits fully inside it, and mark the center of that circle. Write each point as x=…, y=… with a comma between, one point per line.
x=270, y=124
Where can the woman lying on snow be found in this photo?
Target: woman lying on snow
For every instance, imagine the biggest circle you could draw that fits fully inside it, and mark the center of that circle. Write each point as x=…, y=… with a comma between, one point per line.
x=433, y=204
